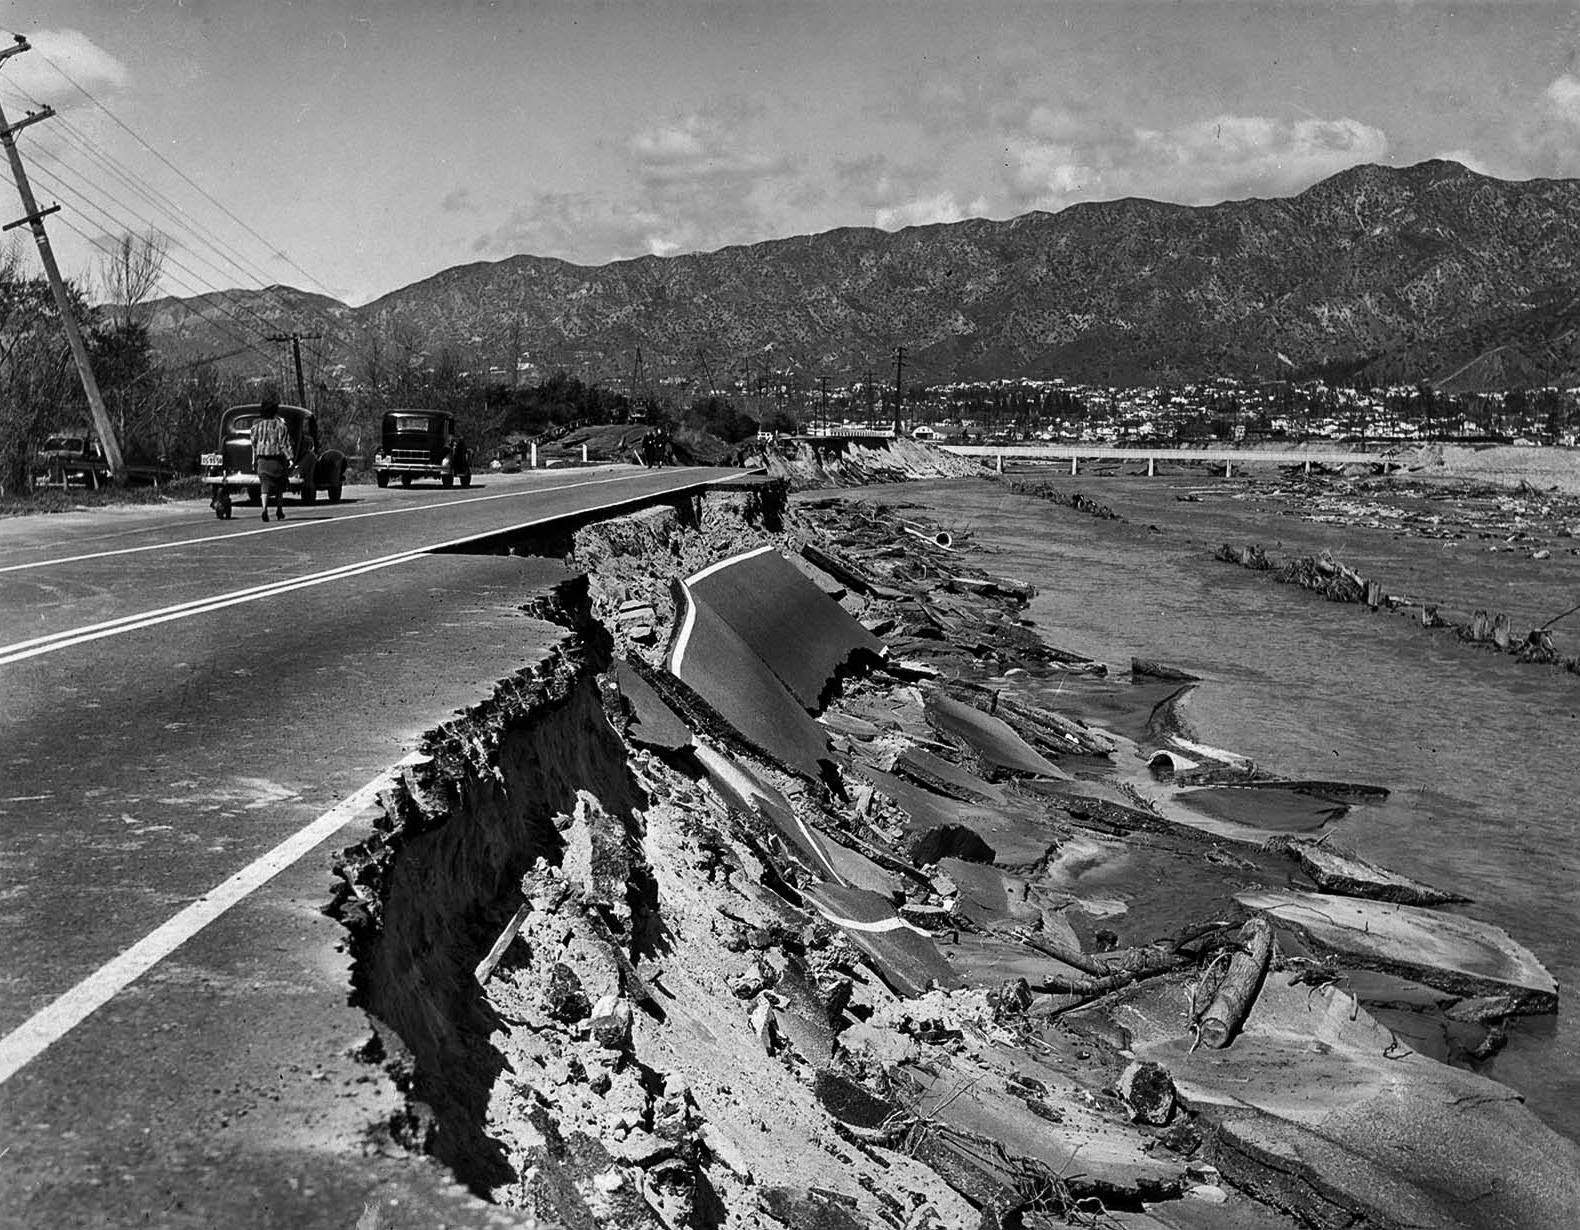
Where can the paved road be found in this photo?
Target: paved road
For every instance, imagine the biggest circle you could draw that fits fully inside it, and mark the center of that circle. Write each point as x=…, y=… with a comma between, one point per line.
x=180, y=699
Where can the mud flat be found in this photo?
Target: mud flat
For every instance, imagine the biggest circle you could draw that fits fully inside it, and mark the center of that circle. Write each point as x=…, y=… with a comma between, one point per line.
x=806, y=884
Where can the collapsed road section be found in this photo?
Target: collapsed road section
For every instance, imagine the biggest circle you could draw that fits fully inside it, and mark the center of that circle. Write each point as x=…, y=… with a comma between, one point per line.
x=806, y=884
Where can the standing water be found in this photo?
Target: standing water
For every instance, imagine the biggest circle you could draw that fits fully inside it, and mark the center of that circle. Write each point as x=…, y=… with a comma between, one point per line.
x=1480, y=752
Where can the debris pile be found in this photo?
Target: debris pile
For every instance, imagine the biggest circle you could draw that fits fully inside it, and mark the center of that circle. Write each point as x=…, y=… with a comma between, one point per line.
x=855, y=903
x=1337, y=582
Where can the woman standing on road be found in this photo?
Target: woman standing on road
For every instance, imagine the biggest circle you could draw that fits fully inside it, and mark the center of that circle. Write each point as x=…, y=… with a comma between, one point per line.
x=271, y=455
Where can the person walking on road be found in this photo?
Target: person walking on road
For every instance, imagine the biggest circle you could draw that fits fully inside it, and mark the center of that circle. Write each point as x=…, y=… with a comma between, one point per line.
x=271, y=455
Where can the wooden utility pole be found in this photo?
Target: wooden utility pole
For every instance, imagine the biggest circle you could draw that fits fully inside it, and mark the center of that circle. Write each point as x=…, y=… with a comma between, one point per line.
x=296, y=340
x=34, y=220
x=823, y=384
x=899, y=388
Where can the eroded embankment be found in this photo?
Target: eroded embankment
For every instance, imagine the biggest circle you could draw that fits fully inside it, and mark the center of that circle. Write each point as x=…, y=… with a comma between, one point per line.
x=945, y=959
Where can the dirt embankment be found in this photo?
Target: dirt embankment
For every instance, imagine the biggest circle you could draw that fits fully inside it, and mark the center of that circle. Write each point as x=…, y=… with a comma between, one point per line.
x=835, y=462
x=636, y=968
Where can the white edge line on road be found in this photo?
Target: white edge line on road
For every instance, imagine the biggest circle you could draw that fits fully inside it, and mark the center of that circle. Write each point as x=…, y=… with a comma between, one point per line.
x=677, y=657
x=53, y=641
x=51, y=1023
x=302, y=525
x=55, y=1020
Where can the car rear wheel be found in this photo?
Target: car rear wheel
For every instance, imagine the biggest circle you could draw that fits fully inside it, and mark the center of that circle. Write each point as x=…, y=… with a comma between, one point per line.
x=382, y=478
x=466, y=480
x=448, y=480
x=405, y=480
x=309, y=495
x=334, y=494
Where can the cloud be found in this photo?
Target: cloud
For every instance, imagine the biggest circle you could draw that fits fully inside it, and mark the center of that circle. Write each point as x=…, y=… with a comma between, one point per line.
x=941, y=207
x=1563, y=99
x=73, y=54
x=695, y=181
x=1059, y=157
x=1548, y=141
x=575, y=226
x=458, y=201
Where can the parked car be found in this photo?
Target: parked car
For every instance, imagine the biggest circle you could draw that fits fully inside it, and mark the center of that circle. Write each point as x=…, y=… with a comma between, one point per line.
x=70, y=459
x=417, y=444
x=74, y=458
x=230, y=470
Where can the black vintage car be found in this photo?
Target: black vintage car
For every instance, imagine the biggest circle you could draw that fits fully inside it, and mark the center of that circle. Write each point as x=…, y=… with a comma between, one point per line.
x=230, y=471
x=421, y=444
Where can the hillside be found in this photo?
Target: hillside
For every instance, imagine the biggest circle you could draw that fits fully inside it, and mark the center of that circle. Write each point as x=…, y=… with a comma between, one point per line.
x=1425, y=272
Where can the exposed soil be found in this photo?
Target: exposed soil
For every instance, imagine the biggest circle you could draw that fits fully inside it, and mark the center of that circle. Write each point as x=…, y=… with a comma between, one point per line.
x=604, y=979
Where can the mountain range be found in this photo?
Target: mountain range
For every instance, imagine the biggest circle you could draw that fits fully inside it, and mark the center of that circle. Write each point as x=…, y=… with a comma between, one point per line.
x=1430, y=272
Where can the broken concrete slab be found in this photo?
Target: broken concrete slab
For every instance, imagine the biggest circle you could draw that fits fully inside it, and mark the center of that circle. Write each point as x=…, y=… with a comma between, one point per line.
x=1319, y=1108
x=710, y=657
x=1348, y=876
x=803, y=635
x=1042, y=1122
x=944, y=777
x=1457, y=954
x=903, y=954
x=653, y=723
x=993, y=740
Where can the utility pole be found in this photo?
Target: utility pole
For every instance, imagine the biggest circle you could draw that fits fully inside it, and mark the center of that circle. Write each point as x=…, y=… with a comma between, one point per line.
x=296, y=340
x=34, y=220
x=823, y=384
x=899, y=388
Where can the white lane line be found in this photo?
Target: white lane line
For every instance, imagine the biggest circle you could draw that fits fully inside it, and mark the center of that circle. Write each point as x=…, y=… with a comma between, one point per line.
x=65, y=639
x=677, y=656
x=49, y=1024
x=303, y=525
x=853, y=924
x=57, y=641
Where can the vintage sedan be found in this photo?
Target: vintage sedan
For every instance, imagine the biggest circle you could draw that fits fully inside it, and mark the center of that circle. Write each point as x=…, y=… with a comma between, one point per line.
x=230, y=471
x=418, y=444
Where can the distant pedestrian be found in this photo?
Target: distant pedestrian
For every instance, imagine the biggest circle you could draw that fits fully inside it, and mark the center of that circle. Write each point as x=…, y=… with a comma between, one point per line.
x=271, y=455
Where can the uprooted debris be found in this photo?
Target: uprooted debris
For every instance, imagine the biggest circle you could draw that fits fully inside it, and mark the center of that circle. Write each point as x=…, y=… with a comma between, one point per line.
x=932, y=948
x=1338, y=582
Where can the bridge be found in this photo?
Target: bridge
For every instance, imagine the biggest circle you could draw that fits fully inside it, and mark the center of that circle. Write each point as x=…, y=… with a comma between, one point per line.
x=1226, y=457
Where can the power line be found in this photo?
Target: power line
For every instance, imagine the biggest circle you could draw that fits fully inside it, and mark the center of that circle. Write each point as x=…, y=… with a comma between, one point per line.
x=247, y=343
x=184, y=176
x=158, y=201
x=197, y=292
x=120, y=222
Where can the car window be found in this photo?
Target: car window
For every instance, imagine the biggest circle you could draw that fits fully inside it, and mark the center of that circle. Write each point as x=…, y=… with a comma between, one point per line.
x=66, y=444
x=243, y=422
x=411, y=422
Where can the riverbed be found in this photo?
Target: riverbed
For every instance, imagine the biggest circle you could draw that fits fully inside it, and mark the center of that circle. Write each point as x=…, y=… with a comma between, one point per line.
x=1479, y=751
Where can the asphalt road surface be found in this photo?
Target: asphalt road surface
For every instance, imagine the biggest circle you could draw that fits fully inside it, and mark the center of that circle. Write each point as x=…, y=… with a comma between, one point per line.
x=193, y=712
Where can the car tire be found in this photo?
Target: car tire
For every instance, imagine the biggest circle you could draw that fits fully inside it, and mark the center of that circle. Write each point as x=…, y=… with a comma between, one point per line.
x=382, y=478
x=466, y=480
x=334, y=494
x=405, y=480
x=309, y=495
x=448, y=480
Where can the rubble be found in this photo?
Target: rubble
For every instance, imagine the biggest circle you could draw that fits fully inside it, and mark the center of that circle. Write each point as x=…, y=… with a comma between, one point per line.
x=730, y=919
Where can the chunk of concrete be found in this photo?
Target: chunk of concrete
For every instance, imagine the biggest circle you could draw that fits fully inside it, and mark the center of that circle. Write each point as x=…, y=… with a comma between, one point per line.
x=1319, y=1108
x=1456, y=954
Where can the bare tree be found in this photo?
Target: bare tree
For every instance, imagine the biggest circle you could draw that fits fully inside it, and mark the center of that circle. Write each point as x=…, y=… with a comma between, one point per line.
x=130, y=273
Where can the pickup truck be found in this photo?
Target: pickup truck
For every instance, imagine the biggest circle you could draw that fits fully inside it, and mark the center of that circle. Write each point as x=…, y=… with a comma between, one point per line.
x=230, y=471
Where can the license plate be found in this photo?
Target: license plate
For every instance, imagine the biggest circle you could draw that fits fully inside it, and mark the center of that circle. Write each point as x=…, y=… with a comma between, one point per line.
x=212, y=459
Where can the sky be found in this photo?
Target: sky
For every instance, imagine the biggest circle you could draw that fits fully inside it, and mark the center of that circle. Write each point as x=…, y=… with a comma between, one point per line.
x=352, y=147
